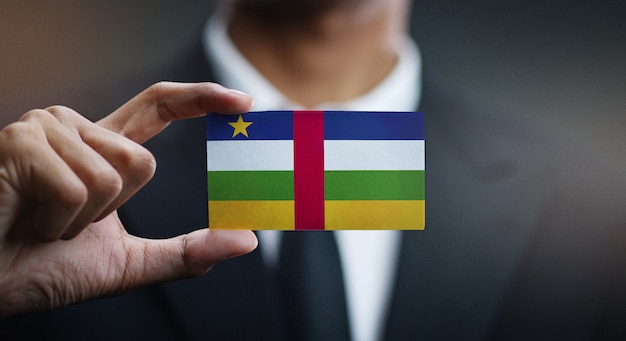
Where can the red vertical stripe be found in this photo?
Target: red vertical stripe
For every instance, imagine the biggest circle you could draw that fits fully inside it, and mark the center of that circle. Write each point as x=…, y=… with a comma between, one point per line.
x=308, y=140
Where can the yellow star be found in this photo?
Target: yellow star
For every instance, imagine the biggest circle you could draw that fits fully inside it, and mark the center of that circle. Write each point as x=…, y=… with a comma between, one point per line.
x=240, y=127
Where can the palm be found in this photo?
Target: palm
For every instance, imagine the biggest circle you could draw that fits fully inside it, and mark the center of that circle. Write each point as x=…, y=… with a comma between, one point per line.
x=94, y=263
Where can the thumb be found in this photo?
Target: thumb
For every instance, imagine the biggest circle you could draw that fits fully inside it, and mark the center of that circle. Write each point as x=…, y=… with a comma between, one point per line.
x=185, y=256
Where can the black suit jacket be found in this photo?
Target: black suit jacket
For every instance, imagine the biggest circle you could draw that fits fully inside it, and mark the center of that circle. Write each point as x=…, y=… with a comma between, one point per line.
x=523, y=240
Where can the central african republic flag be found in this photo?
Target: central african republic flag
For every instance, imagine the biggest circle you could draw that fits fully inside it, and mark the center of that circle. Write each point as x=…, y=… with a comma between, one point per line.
x=316, y=170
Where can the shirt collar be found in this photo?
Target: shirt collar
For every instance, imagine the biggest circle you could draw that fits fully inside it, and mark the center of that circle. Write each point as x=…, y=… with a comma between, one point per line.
x=399, y=91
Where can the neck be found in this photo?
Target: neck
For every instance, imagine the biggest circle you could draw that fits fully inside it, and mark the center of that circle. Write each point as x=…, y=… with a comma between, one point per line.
x=334, y=56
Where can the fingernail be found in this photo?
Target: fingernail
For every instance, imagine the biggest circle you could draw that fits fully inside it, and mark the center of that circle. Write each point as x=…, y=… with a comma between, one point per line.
x=242, y=95
x=238, y=93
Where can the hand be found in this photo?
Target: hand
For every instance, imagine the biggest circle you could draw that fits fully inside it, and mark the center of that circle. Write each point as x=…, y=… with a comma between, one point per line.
x=62, y=179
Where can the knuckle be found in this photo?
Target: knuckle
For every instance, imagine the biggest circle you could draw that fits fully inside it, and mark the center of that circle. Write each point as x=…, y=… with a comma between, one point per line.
x=73, y=196
x=58, y=110
x=144, y=165
x=20, y=137
x=156, y=92
x=36, y=115
x=106, y=183
x=159, y=86
x=137, y=162
x=62, y=113
x=15, y=130
x=51, y=115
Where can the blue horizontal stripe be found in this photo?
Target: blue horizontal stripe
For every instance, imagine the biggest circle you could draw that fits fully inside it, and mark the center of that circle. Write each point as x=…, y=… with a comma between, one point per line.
x=266, y=125
x=361, y=125
x=338, y=125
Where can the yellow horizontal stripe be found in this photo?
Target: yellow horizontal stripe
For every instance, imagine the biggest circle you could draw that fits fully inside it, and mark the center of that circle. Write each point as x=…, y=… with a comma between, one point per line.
x=374, y=214
x=251, y=214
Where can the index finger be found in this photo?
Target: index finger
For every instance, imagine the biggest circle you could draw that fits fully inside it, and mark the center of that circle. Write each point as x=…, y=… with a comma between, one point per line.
x=152, y=110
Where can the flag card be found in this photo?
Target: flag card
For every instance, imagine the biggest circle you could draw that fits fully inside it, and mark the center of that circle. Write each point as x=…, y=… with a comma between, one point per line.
x=316, y=170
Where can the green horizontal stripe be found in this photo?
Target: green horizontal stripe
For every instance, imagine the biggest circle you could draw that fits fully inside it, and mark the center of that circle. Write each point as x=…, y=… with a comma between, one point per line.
x=374, y=185
x=338, y=185
x=250, y=185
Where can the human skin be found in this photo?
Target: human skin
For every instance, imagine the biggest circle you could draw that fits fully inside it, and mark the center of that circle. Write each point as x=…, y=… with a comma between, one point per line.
x=319, y=51
x=62, y=179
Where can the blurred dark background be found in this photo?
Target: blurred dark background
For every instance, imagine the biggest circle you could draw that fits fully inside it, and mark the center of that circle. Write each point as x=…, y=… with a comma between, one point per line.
x=559, y=64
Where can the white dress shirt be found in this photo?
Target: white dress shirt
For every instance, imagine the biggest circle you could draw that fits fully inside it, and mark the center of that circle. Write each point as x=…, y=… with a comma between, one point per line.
x=368, y=258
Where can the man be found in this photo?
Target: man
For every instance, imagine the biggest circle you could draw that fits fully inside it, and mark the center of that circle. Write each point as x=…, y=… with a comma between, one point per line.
x=511, y=248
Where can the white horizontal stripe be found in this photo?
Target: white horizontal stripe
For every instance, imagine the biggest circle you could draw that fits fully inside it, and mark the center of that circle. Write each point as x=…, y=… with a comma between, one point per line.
x=374, y=155
x=244, y=155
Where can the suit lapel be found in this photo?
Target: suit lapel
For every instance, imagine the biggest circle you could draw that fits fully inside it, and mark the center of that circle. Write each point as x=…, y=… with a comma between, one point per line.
x=452, y=276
